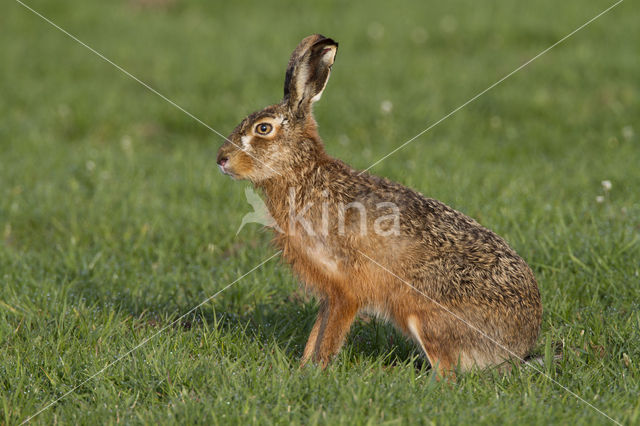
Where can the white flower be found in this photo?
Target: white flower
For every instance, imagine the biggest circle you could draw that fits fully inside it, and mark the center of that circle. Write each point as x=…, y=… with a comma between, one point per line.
x=600, y=199
x=386, y=106
x=606, y=185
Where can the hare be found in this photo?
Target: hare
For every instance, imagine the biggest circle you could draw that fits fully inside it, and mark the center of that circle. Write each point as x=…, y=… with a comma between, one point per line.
x=363, y=243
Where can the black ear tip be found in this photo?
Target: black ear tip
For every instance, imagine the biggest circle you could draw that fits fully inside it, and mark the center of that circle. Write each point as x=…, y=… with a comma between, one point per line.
x=325, y=41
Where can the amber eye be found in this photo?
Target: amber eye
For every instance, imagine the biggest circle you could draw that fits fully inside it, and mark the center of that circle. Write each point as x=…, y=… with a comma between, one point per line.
x=264, y=128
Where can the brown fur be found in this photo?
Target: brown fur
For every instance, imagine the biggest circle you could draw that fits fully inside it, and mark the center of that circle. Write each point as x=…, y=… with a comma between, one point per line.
x=453, y=286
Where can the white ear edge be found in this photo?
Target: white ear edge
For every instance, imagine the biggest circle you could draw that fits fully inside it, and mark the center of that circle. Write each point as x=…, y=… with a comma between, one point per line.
x=328, y=56
x=317, y=97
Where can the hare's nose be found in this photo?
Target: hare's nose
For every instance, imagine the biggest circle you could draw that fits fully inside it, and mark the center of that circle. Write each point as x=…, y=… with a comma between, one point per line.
x=222, y=161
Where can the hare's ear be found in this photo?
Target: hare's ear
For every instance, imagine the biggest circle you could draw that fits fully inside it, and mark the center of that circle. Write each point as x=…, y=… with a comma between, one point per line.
x=308, y=73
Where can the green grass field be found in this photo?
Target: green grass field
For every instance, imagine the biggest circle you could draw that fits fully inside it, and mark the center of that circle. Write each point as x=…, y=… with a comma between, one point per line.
x=115, y=221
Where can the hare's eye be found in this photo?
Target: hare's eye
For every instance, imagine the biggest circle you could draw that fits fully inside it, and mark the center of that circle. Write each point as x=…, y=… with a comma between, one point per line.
x=264, y=128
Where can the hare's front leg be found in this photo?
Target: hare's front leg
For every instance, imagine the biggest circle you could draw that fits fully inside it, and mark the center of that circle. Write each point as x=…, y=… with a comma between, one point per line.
x=323, y=314
x=340, y=313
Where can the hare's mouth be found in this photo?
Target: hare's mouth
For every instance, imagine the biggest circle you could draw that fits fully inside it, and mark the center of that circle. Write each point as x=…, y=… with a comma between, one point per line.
x=223, y=165
x=227, y=172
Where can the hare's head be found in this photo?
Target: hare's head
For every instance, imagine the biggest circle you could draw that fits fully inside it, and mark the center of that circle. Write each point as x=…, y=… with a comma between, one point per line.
x=282, y=138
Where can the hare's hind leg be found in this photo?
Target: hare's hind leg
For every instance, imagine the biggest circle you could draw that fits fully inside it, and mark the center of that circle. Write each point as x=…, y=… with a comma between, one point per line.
x=341, y=312
x=309, y=349
x=439, y=356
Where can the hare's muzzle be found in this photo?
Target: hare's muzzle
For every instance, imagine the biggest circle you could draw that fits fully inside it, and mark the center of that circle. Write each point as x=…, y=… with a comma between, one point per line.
x=222, y=162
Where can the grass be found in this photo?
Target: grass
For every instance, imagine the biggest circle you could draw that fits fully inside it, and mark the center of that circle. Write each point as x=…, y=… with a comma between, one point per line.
x=114, y=220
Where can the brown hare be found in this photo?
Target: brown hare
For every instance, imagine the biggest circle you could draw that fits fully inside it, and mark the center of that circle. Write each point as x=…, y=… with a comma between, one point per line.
x=362, y=242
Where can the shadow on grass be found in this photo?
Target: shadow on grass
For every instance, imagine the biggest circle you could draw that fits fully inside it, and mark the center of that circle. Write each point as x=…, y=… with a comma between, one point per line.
x=288, y=323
